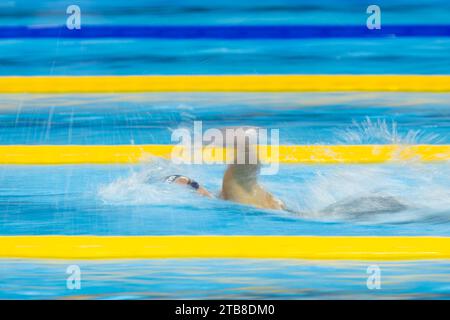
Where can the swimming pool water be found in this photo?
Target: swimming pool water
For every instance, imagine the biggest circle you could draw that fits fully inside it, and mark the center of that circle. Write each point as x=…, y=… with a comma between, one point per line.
x=301, y=118
x=223, y=279
x=428, y=55
x=115, y=200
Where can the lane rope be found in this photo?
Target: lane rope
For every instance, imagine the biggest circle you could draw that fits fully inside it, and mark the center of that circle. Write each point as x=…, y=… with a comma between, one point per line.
x=224, y=83
x=276, y=247
x=230, y=32
x=287, y=154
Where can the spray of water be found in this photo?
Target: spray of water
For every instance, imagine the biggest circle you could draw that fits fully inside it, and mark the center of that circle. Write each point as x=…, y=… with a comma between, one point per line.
x=145, y=186
x=391, y=193
x=382, y=131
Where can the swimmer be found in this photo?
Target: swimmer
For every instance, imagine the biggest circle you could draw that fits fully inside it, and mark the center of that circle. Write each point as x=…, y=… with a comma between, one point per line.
x=240, y=185
x=240, y=182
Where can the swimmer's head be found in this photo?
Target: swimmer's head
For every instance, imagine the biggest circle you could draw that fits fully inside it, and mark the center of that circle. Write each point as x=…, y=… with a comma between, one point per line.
x=179, y=179
x=183, y=180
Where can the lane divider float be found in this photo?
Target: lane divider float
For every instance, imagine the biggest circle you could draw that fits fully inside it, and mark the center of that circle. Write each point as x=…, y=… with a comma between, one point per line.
x=287, y=154
x=265, y=247
x=224, y=83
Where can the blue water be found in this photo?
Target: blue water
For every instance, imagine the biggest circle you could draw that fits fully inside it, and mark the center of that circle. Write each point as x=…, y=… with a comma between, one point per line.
x=115, y=200
x=101, y=199
x=223, y=279
x=90, y=200
x=128, y=56
x=306, y=118
x=223, y=12
x=132, y=56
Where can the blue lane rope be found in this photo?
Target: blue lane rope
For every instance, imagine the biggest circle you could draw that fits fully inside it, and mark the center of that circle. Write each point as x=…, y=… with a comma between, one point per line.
x=225, y=32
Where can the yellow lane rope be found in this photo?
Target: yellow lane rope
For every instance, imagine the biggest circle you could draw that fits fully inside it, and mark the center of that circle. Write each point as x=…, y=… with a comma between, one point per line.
x=311, y=154
x=224, y=83
x=285, y=247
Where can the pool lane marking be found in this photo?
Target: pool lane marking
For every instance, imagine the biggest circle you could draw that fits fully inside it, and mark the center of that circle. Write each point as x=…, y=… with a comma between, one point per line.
x=224, y=83
x=287, y=154
x=229, y=32
x=267, y=247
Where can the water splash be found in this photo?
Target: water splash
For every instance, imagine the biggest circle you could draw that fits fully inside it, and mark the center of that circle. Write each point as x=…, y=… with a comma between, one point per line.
x=382, y=131
x=392, y=193
x=142, y=186
x=145, y=186
x=401, y=194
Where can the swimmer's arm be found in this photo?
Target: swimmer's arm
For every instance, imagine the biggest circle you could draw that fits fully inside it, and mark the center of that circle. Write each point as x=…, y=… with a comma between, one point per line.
x=275, y=203
x=202, y=191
